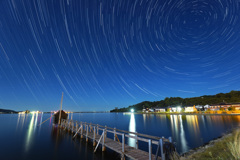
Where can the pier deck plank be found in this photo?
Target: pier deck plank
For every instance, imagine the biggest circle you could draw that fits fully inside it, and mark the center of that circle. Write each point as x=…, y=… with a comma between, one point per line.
x=116, y=146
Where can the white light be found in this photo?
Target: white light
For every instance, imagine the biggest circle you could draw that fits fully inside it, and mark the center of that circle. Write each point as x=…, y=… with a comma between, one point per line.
x=179, y=109
x=132, y=110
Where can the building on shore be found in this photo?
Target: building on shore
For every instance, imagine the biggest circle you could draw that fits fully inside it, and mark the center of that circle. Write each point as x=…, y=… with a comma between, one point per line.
x=224, y=106
x=190, y=109
x=159, y=110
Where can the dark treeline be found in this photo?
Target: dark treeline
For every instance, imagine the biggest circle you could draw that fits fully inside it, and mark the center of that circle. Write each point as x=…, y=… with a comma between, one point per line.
x=231, y=97
x=7, y=111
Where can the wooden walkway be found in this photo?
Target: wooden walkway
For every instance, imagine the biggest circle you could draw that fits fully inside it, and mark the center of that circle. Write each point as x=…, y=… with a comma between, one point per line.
x=99, y=135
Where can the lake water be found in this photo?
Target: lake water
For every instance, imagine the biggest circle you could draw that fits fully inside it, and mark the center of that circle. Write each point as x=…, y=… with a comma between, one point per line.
x=21, y=138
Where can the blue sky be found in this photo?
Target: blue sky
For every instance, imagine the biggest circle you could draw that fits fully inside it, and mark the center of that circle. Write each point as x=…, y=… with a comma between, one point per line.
x=107, y=54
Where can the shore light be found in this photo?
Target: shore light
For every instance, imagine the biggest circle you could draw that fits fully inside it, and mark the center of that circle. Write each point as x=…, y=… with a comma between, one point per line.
x=132, y=110
x=179, y=109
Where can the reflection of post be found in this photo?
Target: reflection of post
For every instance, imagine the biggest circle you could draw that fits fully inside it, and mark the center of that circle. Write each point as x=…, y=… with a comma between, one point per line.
x=56, y=135
x=132, y=128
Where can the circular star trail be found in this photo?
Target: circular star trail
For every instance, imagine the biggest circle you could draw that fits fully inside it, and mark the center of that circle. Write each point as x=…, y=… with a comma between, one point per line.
x=106, y=54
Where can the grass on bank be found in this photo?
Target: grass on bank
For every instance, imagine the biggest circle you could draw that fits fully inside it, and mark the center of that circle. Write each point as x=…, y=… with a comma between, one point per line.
x=227, y=148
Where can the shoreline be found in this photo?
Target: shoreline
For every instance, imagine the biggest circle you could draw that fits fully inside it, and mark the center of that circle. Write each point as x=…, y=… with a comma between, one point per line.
x=211, y=144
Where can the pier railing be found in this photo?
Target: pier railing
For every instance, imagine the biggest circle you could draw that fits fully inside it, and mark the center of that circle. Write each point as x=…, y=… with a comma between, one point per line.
x=100, y=135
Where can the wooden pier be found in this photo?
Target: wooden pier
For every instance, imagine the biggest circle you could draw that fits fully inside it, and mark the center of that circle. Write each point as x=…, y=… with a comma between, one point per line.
x=99, y=135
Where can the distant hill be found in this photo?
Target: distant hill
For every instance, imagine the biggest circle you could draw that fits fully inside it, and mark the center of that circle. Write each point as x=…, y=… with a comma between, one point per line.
x=231, y=97
x=7, y=111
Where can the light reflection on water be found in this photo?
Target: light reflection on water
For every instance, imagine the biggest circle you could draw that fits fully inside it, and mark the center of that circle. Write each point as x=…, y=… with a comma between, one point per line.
x=20, y=121
x=35, y=119
x=188, y=131
x=178, y=132
x=132, y=128
x=29, y=133
x=192, y=123
x=182, y=136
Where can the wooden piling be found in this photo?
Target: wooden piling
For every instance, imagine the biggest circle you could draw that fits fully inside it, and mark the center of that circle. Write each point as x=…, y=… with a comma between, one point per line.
x=94, y=136
x=103, y=141
x=81, y=130
x=90, y=131
x=87, y=133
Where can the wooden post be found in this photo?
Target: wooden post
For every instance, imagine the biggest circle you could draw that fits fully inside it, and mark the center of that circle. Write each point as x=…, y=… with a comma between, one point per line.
x=103, y=141
x=81, y=130
x=105, y=131
x=72, y=126
x=90, y=127
x=123, y=143
x=114, y=134
x=157, y=152
x=161, y=146
x=59, y=118
x=76, y=127
x=87, y=134
x=136, y=140
x=150, y=149
x=97, y=128
x=94, y=136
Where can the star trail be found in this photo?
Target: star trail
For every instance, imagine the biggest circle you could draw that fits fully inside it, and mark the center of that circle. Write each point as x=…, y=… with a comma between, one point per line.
x=115, y=53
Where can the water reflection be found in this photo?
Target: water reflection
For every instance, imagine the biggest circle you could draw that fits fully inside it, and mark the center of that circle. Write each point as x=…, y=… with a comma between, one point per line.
x=29, y=132
x=36, y=117
x=20, y=121
x=187, y=131
x=182, y=136
x=132, y=128
x=40, y=121
x=144, y=119
x=56, y=135
x=192, y=122
x=178, y=132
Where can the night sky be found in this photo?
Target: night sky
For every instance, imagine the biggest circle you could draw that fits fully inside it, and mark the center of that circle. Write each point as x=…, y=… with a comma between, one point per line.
x=114, y=53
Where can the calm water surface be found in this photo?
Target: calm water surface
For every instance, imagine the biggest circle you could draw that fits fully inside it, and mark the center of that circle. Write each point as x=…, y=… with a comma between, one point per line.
x=21, y=138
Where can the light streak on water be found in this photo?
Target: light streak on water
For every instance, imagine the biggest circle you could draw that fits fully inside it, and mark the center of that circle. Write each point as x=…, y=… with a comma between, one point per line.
x=36, y=119
x=132, y=128
x=30, y=132
x=20, y=122
x=144, y=119
x=192, y=122
x=182, y=136
x=178, y=132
